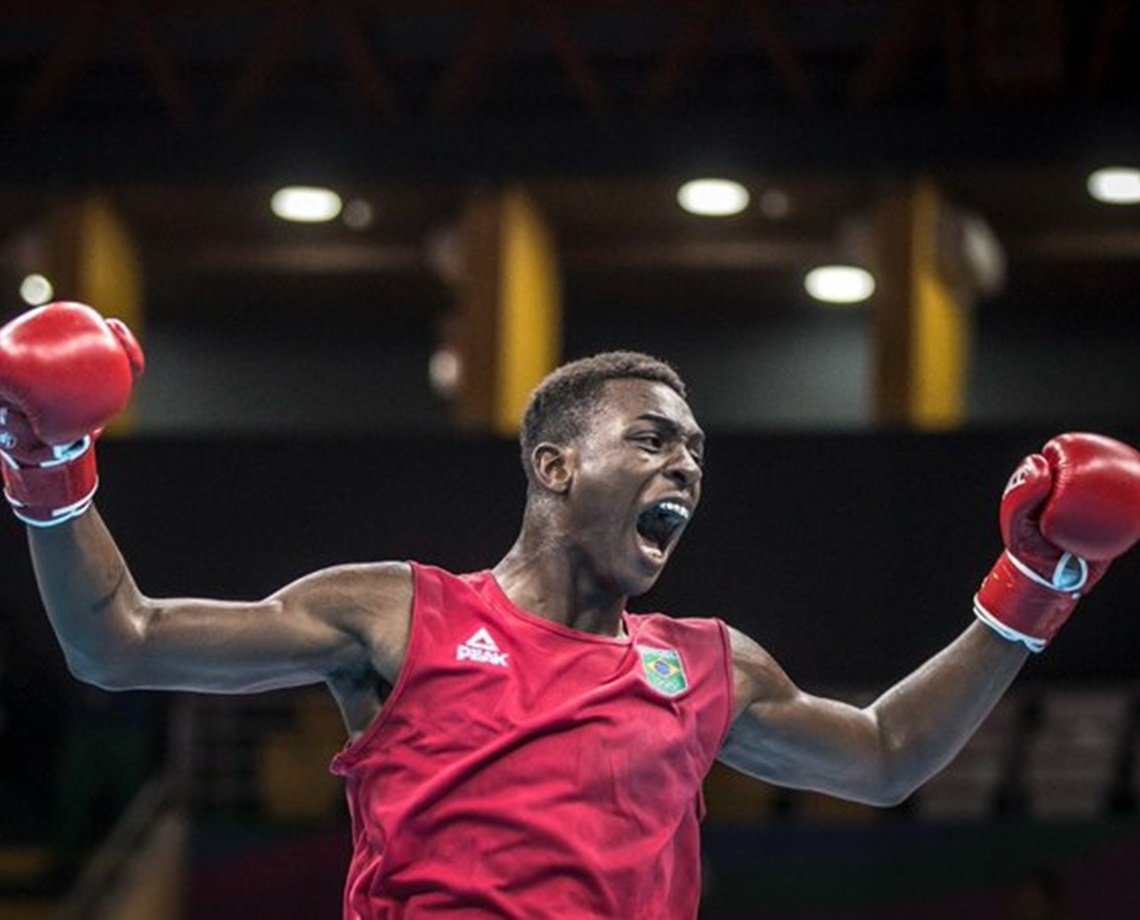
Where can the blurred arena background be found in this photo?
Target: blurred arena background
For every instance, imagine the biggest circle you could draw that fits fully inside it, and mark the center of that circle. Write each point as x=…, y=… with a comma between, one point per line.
x=507, y=176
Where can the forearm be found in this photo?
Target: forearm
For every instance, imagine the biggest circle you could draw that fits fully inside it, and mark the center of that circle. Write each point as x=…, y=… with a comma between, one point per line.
x=1065, y=514
x=926, y=719
x=89, y=594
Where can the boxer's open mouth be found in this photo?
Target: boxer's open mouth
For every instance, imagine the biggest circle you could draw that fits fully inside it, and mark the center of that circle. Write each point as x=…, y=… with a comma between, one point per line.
x=660, y=524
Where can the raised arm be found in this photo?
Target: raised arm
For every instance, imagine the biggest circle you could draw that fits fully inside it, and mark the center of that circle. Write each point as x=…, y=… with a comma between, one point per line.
x=1066, y=513
x=878, y=754
x=64, y=373
x=339, y=626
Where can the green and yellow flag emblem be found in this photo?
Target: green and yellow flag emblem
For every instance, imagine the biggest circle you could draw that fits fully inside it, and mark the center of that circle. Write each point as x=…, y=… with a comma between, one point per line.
x=663, y=669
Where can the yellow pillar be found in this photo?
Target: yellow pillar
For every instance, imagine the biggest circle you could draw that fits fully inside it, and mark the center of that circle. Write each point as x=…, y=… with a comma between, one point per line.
x=509, y=329
x=92, y=258
x=922, y=324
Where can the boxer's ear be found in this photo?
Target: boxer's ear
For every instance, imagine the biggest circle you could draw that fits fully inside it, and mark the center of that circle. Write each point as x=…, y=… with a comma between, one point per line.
x=553, y=466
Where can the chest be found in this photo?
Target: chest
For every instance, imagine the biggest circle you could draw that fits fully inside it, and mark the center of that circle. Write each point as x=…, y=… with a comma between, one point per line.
x=582, y=708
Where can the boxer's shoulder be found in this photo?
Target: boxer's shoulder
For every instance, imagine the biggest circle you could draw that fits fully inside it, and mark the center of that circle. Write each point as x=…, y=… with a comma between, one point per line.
x=370, y=603
x=356, y=584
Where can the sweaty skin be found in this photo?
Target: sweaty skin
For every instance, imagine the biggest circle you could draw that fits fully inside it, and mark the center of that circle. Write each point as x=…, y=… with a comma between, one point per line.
x=576, y=561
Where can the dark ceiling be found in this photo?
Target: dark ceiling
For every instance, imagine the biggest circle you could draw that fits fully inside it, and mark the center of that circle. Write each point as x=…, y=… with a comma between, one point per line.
x=189, y=112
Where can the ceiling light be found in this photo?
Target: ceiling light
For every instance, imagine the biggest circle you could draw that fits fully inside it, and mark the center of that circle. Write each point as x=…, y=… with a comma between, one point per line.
x=445, y=371
x=1115, y=185
x=36, y=290
x=713, y=197
x=305, y=204
x=839, y=284
x=775, y=204
x=357, y=215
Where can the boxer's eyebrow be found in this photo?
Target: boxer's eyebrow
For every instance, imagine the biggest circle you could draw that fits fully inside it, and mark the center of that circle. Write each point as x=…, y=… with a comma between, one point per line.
x=673, y=428
x=694, y=438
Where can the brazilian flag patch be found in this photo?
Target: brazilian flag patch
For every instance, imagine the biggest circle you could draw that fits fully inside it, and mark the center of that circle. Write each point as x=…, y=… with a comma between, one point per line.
x=663, y=670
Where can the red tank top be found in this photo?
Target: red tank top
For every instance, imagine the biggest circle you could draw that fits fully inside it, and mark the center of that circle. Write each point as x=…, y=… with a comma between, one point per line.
x=521, y=768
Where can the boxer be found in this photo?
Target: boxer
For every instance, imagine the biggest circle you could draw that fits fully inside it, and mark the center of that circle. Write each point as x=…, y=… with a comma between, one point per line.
x=519, y=745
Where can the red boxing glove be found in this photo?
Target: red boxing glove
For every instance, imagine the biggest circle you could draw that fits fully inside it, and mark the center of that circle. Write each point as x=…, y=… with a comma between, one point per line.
x=1065, y=515
x=64, y=373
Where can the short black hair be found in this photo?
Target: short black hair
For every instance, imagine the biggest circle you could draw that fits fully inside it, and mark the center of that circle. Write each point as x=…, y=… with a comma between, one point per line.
x=561, y=405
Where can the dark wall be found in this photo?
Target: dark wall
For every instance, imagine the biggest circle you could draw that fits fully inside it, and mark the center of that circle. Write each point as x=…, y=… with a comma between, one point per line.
x=801, y=367
x=226, y=367
x=851, y=557
x=280, y=369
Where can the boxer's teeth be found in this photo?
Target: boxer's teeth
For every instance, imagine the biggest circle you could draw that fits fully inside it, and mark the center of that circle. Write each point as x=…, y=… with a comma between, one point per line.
x=679, y=510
